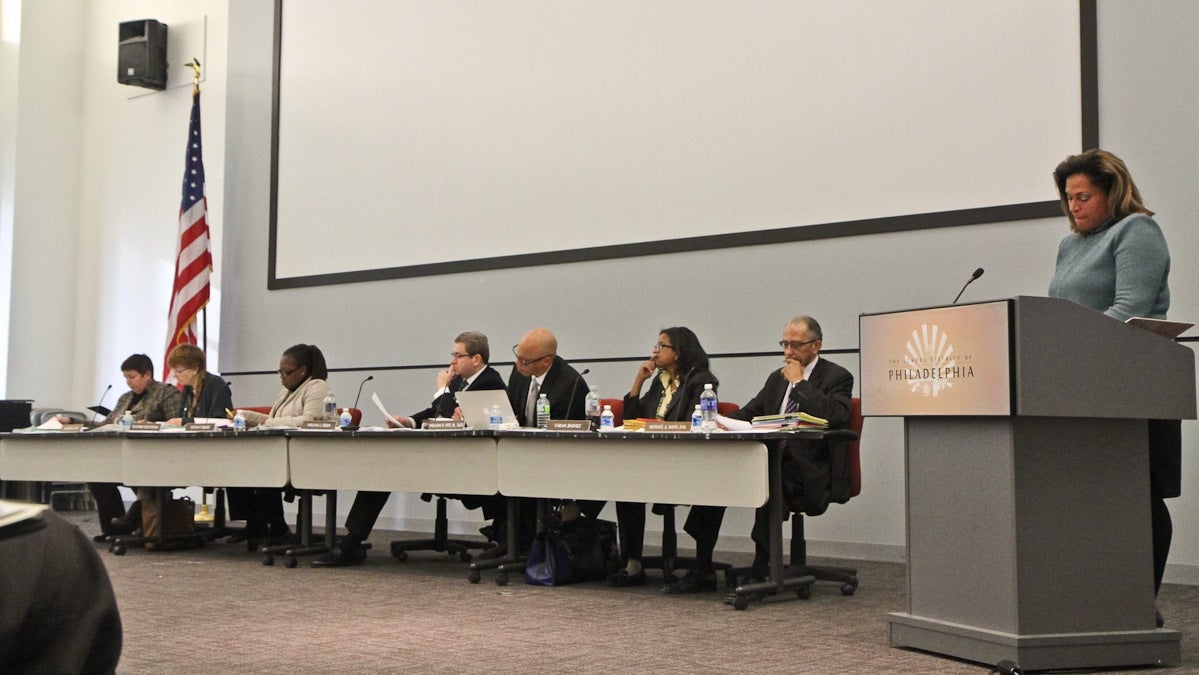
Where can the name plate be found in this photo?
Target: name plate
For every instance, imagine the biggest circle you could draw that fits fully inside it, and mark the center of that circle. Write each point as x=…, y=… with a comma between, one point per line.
x=662, y=425
x=199, y=426
x=325, y=425
x=145, y=426
x=443, y=425
x=72, y=427
x=569, y=425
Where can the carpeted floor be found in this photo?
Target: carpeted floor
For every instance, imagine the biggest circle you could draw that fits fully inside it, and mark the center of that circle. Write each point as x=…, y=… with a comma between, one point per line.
x=218, y=609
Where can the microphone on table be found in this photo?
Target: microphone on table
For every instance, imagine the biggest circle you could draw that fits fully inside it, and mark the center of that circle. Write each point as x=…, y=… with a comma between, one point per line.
x=99, y=408
x=574, y=387
x=188, y=394
x=977, y=273
x=360, y=385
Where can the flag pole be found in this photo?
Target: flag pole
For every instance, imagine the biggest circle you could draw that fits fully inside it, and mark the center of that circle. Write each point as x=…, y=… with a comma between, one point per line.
x=203, y=516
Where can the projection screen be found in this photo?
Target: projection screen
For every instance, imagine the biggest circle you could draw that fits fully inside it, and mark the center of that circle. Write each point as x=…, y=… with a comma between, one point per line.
x=422, y=137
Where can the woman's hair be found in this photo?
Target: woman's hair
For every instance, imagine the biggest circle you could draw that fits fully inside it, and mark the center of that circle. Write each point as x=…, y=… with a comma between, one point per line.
x=309, y=356
x=1109, y=174
x=190, y=356
x=138, y=363
x=691, y=354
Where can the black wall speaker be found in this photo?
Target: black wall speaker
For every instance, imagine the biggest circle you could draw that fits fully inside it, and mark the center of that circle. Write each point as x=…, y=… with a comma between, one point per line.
x=142, y=54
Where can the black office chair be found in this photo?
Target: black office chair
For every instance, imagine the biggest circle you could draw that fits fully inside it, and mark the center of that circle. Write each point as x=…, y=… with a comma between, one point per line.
x=307, y=546
x=846, y=576
x=440, y=543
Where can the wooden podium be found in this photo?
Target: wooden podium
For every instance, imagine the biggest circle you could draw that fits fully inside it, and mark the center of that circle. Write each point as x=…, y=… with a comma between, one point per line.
x=1027, y=470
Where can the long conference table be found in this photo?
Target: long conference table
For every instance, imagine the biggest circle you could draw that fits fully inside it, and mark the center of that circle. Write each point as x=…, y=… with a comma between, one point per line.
x=719, y=469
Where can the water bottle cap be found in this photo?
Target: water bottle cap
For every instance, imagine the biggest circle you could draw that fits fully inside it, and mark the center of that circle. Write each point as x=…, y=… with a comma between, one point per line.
x=708, y=385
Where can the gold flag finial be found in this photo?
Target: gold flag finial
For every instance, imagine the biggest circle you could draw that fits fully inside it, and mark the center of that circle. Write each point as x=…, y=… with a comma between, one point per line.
x=194, y=64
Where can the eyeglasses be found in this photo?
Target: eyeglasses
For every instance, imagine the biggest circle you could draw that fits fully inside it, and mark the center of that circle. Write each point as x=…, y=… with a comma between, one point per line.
x=180, y=371
x=287, y=373
x=527, y=362
x=662, y=345
x=795, y=344
x=454, y=356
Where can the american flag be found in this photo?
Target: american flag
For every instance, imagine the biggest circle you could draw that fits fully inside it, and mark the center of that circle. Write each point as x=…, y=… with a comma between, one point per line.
x=193, y=261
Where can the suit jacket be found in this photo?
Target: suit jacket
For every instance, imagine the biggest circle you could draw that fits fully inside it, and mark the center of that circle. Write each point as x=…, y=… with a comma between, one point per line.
x=215, y=399
x=159, y=404
x=444, y=405
x=815, y=472
x=563, y=386
x=682, y=405
x=305, y=404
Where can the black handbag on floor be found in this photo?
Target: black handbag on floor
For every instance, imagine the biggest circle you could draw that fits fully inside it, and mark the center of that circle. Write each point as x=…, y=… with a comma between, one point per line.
x=583, y=549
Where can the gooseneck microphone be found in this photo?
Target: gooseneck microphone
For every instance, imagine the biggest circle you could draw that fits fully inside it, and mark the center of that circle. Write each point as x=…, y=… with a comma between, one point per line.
x=360, y=385
x=574, y=387
x=977, y=273
x=100, y=404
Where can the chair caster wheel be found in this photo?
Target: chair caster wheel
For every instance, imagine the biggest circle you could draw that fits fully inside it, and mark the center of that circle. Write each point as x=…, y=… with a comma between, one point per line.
x=117, y=550
x=849, y=587
x=402, y=556
x=290, y=562
x=465, y=557
x=474, y=576
x=501, y=579
x=804, y=592
x=268, y=559
x=740, y=603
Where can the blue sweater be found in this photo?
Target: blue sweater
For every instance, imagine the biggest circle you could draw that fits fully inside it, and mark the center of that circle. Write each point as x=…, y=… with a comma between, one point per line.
x=1121, y=269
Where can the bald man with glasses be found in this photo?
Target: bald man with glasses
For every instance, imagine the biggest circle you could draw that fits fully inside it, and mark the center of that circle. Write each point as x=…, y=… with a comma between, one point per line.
x=538, y=370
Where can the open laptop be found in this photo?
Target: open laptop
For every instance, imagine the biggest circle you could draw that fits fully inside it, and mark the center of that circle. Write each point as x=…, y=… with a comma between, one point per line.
x=476, y=406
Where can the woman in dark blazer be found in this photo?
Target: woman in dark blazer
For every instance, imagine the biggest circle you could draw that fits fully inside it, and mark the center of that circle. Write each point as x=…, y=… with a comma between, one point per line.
x=677, y=371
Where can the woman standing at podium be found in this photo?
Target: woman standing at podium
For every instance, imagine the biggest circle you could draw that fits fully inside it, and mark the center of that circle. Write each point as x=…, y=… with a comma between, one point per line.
x=1115, y=260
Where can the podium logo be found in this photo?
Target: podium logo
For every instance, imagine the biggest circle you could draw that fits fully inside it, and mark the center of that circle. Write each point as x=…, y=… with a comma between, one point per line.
x=930, y=366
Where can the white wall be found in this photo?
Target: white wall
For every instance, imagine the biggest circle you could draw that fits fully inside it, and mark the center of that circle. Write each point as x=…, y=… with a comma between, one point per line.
x=127, y=158
x=96, y=196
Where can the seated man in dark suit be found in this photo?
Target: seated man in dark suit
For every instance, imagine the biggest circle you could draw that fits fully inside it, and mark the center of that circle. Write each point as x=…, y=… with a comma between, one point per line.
x=538, y=370
x=811, y=468
x=468, y=370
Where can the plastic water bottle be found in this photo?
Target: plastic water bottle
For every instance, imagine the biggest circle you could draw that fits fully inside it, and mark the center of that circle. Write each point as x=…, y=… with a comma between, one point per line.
x=543, y=412
x=239, y=422
x=591, y=407
x=127, y=421
x=330, y=412
x=697, y=420
x=345, y=419
x=495, y=418
x=607, y=419
x=707, y=405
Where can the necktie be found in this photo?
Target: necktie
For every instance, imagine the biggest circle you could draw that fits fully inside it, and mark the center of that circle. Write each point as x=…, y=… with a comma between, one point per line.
x=792, y=406
x=531, y=404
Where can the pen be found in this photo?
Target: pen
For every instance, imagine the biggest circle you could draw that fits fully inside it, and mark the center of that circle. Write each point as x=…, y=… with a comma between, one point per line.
x=229, y=412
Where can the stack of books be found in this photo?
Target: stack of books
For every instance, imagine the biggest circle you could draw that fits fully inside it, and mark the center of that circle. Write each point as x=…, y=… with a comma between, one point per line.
x=795, y=419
